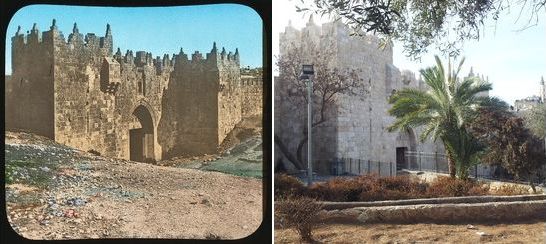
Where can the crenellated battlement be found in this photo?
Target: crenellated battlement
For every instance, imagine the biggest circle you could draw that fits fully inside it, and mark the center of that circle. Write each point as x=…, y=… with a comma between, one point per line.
x=98, y=46
x=129, y=104
x=56, y=38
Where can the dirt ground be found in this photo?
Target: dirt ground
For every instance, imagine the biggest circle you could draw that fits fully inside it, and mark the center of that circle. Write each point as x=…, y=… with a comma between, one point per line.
x=54, y=192
x=532, y=232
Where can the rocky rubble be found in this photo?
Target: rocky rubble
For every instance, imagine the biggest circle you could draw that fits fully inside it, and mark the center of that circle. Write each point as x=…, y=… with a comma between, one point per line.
x=60, y=193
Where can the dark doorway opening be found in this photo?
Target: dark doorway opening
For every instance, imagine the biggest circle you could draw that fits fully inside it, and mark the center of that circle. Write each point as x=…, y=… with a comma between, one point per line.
x=141, y=140
x=401, y=158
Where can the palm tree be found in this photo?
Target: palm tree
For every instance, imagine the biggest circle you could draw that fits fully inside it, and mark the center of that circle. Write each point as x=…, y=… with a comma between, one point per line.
x=444, y=110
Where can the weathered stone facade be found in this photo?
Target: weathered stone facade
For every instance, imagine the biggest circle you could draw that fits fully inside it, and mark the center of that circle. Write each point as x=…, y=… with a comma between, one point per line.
x=252, y=83
x=357, y=125
x=441, y=212
x=79, y=93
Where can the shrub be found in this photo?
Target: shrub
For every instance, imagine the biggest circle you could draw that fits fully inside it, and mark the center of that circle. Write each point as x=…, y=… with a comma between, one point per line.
x=337, y=189
x=286, y=185
x=300, y=213
x=444, y=186
x=368, y=188
x=510, y=190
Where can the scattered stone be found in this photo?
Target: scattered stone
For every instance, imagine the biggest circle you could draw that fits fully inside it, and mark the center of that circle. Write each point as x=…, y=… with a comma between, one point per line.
x=206, y=202
x=471, y=227
x=76, y=201
x=480, y=233
x=69, y=213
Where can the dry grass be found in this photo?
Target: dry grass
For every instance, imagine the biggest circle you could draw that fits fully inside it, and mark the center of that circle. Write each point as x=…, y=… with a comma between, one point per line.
x=374, y=188
x=533, y=232
x=512, y=189
x=299, y=213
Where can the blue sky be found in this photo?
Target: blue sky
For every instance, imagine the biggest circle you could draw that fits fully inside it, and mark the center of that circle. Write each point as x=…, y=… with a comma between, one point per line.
x=160, y=30
x=513, y=60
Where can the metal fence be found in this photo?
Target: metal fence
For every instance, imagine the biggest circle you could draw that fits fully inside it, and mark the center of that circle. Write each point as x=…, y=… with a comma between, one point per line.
x=414, y=161
x=354, y=166
x=425, y=161
x=437, y=162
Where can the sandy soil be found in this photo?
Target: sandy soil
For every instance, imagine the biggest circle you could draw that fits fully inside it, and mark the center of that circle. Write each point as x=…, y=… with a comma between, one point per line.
x=123, y=199
x=532, y=232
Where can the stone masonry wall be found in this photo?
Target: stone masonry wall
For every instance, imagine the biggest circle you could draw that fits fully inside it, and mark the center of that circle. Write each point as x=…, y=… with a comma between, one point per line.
x=29, y=101
x=202, y=102
x=252, y=95
x=229, y=93
x=439, y=213
x=357, y=129
x=78, y=92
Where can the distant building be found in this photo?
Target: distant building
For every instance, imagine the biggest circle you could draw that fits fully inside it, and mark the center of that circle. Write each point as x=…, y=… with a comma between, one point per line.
x=527, y=103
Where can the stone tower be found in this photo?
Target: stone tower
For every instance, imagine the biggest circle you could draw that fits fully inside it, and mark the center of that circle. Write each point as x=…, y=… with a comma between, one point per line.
x=79, y=93
x=543, y=90
x=357, y=125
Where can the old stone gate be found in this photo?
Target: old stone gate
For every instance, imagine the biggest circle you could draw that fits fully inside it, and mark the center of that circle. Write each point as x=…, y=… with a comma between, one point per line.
x=133, y=106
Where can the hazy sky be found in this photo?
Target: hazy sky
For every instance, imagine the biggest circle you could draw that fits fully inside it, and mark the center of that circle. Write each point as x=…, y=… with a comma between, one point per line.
x=513, y=60
x=160, y=30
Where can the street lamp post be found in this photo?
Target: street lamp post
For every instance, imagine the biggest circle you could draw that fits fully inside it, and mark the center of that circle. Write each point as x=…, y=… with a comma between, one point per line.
x=308, y=72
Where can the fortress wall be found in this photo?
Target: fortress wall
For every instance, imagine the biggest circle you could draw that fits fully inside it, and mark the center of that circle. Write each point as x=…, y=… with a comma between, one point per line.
x=29, y=104
x=189, y=122
x=357, y=129
x=292, y=109
x=363, y=118
x=229, y=96
x=95, y=95
x=79, y=93
x=252, y=96
x=84, y=114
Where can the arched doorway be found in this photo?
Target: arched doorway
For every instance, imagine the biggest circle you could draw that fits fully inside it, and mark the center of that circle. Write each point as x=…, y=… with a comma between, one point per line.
x=406, y=145
x=141, y=140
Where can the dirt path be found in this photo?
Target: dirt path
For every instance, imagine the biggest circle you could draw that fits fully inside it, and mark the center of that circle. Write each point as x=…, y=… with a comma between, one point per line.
x=84, y=196
x=423, y=233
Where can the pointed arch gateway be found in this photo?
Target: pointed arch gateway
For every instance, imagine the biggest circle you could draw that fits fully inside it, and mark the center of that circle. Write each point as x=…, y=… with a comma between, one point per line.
x=405, y=142
x=141, y=139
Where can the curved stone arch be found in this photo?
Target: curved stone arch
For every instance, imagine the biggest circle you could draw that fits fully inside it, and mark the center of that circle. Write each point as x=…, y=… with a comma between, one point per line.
x=155, y=123
x=148, y=106
x=406, y=139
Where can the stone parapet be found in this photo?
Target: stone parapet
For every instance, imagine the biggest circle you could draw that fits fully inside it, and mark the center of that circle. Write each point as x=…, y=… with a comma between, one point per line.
x=439, y=213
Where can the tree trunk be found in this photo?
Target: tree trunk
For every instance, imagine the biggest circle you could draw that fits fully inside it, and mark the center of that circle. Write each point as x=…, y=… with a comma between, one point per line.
x=451, y=164
x=287, y=154
x=532, y=183
x=299, y=152
x=463, y=172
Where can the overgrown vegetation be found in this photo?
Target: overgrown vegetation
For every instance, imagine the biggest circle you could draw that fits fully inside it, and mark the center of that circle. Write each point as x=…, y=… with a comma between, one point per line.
x=511, y=189
x=444, y=111
x=328, y=84
x=418, y=24
x=33, y=166
x=300, y=213
x=374, y=188
x=509, y=143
